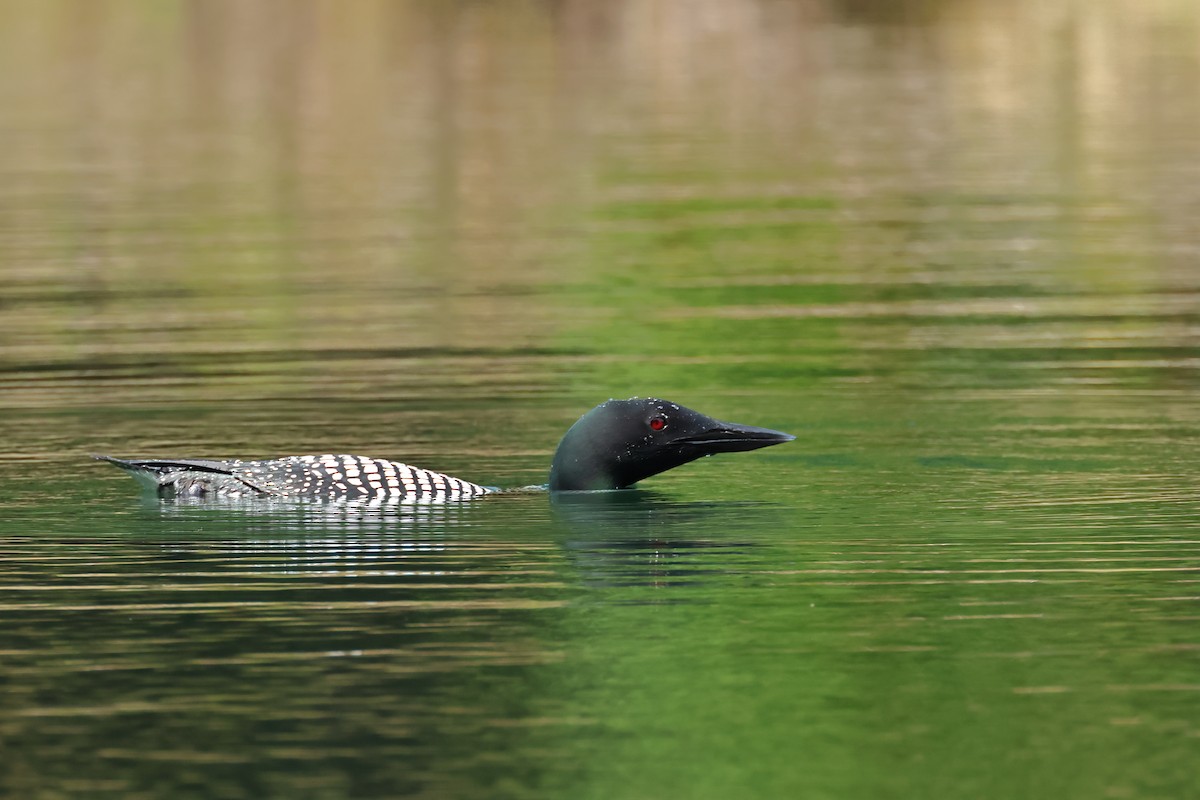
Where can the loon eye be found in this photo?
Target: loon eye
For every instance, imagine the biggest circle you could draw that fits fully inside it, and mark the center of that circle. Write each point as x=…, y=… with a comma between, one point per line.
x=657, y=423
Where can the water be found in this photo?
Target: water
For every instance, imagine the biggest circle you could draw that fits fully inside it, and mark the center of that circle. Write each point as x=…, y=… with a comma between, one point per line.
x=949, y=245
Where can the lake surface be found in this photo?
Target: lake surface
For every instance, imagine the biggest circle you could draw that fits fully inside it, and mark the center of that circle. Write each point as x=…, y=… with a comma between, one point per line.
x=952, y=246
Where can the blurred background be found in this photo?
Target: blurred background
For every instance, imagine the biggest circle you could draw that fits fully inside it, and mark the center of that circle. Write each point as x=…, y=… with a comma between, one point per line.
x=952, y=244
x=238, y=207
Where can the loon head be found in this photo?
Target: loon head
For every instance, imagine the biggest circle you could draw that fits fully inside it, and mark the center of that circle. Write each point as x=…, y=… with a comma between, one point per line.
x=620, y=442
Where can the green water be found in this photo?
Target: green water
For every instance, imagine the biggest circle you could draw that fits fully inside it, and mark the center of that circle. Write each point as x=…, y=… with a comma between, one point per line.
x=949, y=245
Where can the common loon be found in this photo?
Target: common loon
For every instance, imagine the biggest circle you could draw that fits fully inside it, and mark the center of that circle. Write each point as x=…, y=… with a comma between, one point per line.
x=613, y=446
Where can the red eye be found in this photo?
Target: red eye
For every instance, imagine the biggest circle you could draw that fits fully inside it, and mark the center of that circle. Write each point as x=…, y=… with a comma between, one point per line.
x=657, y=424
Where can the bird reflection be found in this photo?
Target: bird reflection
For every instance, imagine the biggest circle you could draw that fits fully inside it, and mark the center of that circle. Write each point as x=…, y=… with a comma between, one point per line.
x=300, y=535
x=639, y=538
x=316, y=514
x=619, y=538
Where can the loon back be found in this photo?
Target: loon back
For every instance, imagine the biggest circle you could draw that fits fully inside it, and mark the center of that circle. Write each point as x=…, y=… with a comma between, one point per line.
x=613, y=446
x=312, y=477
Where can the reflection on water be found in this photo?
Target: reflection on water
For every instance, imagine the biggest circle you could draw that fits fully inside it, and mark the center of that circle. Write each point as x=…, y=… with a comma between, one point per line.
x=951, y=244
x=633, y=537
x=625, y=537
x=246, y=642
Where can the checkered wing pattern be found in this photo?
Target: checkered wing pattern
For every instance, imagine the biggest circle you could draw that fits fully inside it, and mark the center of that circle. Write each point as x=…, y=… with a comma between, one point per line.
x=351, y=477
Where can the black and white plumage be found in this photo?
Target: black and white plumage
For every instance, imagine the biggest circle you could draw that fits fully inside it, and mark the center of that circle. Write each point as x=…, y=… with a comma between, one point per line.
x=613, y=446
x=303, y=477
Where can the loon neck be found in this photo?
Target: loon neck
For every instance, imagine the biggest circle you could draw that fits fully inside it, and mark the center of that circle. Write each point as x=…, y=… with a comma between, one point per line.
x=583, y=464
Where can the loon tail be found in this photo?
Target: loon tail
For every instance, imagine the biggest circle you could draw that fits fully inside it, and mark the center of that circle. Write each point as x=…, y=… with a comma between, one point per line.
x=169, y=476
x=160, y=466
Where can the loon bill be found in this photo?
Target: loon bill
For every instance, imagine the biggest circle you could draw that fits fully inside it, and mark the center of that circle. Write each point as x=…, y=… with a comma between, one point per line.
x=613, y=446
